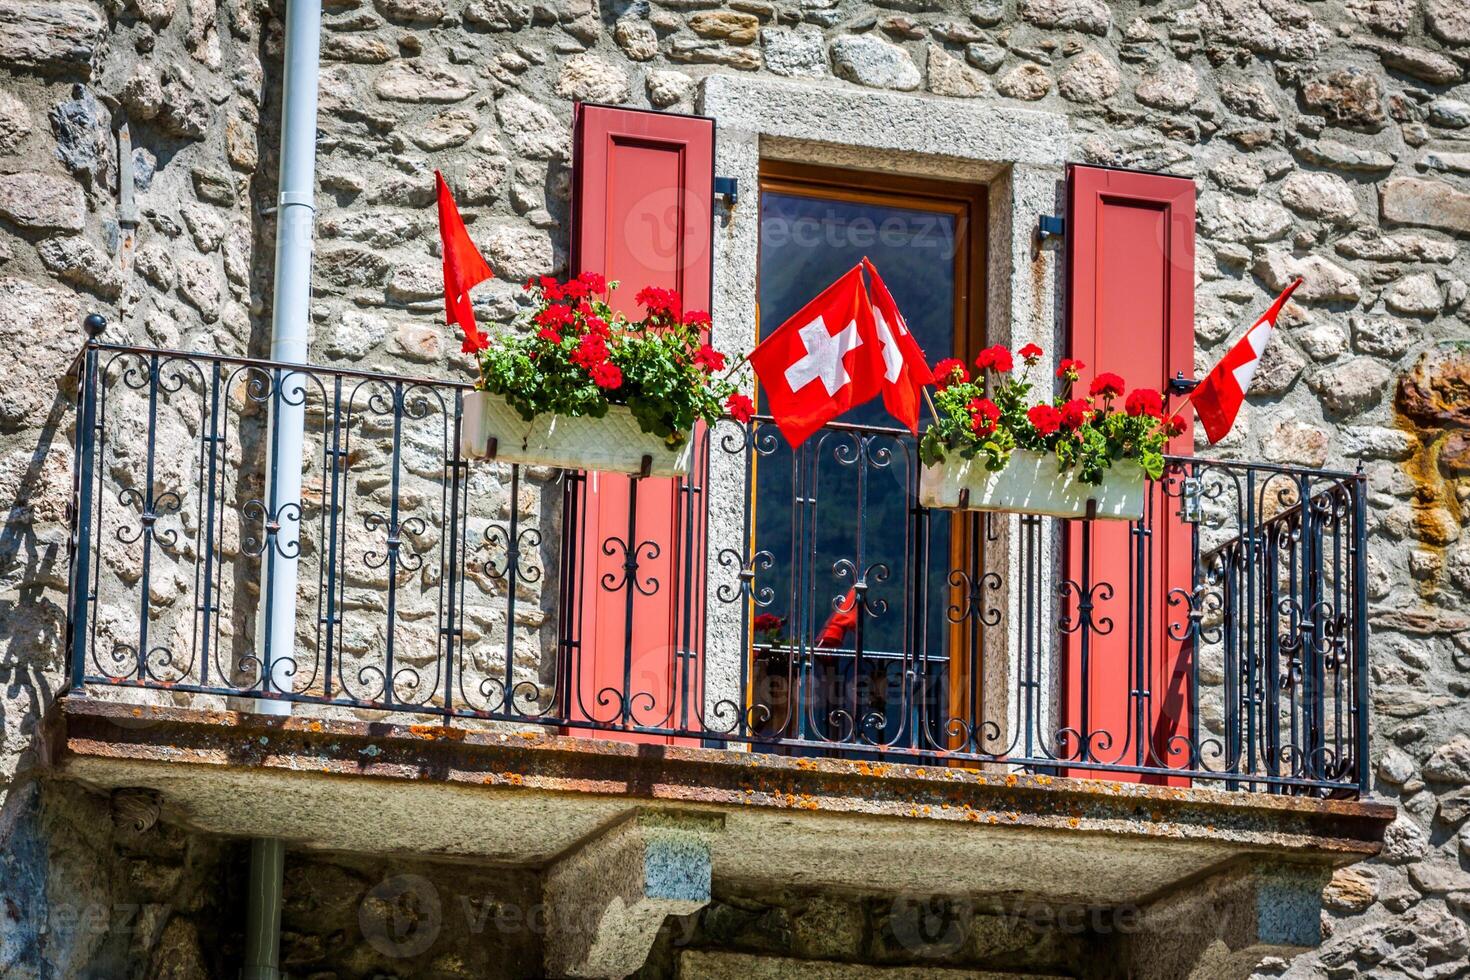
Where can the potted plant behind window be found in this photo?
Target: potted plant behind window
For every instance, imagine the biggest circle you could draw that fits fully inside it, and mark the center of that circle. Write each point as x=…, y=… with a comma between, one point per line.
x=579, y=386
x=990, y=449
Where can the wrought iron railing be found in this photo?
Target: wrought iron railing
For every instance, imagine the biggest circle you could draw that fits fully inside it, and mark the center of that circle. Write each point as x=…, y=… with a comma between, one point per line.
x=1221, y=638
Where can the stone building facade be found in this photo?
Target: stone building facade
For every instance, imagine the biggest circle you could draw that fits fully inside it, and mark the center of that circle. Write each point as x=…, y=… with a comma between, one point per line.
x=138, y=153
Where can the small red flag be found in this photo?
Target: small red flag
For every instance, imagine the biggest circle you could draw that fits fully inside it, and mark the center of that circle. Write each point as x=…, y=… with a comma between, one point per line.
x=841, y=622
x=821, y=362
x=905, y=369
x=464, y=268
x=1219, y=396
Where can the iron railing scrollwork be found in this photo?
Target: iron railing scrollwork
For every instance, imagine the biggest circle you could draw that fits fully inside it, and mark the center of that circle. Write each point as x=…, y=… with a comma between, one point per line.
x=1221, y=638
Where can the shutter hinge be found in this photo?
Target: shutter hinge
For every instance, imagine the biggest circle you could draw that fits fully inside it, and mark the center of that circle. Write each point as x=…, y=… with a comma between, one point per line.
x=1052, y=226
x=1180, y=385
x=729, y=189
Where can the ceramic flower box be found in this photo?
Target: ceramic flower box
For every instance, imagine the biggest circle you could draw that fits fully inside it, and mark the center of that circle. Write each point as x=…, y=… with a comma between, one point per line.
x=1033, y=483
x=613, y=444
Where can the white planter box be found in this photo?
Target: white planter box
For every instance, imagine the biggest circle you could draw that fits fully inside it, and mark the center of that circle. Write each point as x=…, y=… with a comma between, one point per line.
x=1033, y=483
x=613, y=443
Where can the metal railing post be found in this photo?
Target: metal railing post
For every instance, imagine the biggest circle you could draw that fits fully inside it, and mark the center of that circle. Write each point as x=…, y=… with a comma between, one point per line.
x=78, y=606
x=1360, y=628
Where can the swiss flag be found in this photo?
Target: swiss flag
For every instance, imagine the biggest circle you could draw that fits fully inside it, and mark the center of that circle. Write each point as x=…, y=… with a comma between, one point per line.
x=905, y=369
x=464, y=268
x=1218, y=398
x=823, y=361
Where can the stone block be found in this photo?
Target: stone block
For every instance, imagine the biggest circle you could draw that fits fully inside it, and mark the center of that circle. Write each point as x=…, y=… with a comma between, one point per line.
x=50, y=37
x=950, y=76
x=1026, y=82
x=797, y=52
x=413, y=81
x=1224, y=926
x=607, y=900
x=1429, y=203
x=42, y=201
x=872, y=61
x=1090, y=16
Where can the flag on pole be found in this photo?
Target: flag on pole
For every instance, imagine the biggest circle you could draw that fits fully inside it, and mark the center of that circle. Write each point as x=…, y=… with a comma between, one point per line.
x=823, y=361
x=1219, y=396
x=464, y=268
x=905, y=369
x=842, y=621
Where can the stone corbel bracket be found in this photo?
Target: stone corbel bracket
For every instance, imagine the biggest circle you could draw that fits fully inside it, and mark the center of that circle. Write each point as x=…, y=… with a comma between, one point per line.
x=607, y=899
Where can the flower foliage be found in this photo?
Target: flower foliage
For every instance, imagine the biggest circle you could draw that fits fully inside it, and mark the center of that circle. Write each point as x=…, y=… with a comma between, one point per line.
x=573, y=356
x=994, y=414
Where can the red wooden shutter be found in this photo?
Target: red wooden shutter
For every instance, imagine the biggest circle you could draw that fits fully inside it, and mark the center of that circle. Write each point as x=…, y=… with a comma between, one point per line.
x=1130, y=310
x=642, y=215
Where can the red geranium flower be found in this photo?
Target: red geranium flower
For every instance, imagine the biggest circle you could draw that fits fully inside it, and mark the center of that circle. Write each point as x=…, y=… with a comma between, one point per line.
x=1175, y=425
x=696, y=318
x=658, y=301
x=1030, y=353
x=1045, y=419
x=550, y=288
x=594, y=282
x=1069, y=369
x=768, y=623
x=574, y=289
x=1106, y=385
x=1075, y=413
x=474, y=340
x=597, y=327
x=996, y=358
x=740, y=408
x=591, y=351
x=950, y=371
x=548, y=333
x=983, y=415
x=554, y=316
x=607, y=375
x=709, y=359
x=1145, y=401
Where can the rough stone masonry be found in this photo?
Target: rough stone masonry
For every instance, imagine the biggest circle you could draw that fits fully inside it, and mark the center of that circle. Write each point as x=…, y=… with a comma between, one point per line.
x=1327, y=138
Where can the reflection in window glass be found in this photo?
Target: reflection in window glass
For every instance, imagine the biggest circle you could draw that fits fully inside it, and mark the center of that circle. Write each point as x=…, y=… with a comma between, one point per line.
x=840, y=507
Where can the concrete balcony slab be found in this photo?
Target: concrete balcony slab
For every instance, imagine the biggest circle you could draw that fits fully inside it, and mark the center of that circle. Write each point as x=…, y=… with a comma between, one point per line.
x=531, y=799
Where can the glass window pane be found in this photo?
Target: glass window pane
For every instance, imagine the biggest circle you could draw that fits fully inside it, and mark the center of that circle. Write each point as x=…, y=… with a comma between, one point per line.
x=840, y=508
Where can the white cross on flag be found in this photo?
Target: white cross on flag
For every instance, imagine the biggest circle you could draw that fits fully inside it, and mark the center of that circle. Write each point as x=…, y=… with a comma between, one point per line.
x=823, y=361
x=837, y=352
x=905, y=369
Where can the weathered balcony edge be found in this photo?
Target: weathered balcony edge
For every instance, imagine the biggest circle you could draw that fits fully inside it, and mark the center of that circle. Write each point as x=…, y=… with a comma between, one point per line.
x=1332, y=832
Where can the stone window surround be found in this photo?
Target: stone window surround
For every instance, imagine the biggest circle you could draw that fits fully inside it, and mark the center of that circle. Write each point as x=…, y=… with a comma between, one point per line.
x=1018, y=153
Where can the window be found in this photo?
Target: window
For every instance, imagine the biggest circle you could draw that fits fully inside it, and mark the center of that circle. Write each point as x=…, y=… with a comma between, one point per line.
x=838, y=514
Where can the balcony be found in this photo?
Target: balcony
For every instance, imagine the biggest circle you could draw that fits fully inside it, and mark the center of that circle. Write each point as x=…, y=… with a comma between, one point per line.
x=509, y=661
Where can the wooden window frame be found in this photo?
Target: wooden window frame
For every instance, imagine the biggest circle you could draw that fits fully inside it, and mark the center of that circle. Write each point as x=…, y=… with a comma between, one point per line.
x=969, y=204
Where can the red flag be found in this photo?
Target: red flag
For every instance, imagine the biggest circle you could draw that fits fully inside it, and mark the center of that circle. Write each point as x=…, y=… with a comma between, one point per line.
x=464, y=268
x=821, y=362
x=842, y=620
x=1219, y=396
x=905, y=369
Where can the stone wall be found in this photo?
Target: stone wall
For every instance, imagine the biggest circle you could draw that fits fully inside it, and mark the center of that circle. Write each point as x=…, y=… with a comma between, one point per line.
x=1327, y=138
x=915, y=931
x=96, y=887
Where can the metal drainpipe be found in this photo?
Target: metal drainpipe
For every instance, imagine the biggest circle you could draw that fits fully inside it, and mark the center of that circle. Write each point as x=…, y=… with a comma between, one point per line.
x=295, y=218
